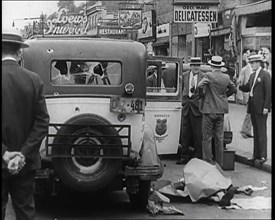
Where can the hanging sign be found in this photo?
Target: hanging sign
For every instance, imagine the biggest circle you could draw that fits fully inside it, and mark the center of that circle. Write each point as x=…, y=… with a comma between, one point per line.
x=130, y=18
x=195, y=13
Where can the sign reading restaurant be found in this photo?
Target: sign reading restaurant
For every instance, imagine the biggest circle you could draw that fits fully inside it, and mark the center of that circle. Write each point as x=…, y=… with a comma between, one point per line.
x=195, y=13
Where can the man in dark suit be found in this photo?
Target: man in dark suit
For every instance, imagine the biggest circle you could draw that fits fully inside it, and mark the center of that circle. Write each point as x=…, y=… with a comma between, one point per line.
x=217, y=87
x=191, y=134
x=24, y=125
x=259, y=88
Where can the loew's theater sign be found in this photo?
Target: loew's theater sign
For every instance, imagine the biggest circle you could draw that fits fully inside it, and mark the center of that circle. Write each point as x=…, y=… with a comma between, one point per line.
x=195, y=13
x=67, y=24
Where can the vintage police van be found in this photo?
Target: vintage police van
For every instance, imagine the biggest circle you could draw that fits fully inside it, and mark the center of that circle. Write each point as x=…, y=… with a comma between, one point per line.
x=163, y=109
x=96, y=96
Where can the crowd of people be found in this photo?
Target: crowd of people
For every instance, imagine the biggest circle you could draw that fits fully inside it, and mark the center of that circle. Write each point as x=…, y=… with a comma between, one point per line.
x=205, y=101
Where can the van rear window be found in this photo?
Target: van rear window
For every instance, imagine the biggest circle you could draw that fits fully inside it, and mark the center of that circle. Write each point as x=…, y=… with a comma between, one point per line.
x=85, y=73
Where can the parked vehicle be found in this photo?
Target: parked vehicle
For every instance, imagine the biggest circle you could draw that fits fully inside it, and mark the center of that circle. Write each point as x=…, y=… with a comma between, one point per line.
x=96, y=95
x=163, y=109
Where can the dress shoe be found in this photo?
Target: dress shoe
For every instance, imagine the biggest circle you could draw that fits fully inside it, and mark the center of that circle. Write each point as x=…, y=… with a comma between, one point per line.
x=262, y=160
x=252, y=159
x=182, y=161
x=225, y=201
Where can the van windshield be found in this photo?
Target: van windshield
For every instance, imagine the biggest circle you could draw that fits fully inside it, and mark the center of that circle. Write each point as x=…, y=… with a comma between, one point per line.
x=85, y=72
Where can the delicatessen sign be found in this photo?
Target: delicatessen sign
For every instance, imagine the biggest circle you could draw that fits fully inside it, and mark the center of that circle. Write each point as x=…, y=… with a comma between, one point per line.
x=195, y=13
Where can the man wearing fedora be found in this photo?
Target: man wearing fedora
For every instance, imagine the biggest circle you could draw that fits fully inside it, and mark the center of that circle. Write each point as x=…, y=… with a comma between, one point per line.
x=151, y=80
x=259, y=88
x=24, y=125
x=191, y=121
x=216, y=88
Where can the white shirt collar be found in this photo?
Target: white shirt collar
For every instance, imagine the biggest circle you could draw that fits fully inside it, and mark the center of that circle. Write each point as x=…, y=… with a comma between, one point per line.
x=9, y=58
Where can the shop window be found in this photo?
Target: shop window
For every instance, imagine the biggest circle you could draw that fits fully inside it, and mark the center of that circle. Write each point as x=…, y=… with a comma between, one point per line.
x=259, y=20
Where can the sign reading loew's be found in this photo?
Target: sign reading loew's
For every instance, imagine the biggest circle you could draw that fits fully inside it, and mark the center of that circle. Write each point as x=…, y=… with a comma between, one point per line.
x=195, y=13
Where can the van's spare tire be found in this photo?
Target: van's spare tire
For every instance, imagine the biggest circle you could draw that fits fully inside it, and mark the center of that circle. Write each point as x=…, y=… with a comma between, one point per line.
x=86, y=173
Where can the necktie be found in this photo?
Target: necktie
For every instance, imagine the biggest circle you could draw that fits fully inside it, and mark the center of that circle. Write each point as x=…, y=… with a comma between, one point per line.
x=192, y=86
x=251, y=91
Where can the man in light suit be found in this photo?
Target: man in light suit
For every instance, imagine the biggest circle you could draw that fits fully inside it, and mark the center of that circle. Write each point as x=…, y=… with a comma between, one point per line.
x=24, y=125
x=259, y=88
x=191, y=134
x=217, y=87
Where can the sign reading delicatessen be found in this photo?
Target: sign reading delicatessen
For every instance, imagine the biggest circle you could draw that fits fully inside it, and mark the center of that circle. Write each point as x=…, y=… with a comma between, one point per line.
x=195, y=13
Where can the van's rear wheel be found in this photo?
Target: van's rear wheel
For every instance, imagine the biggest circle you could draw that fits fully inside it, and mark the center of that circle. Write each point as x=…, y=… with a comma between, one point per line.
x=84, y=171
x=139, y=200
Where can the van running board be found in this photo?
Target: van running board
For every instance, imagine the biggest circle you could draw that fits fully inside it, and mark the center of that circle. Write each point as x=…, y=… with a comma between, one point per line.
x=88, y=143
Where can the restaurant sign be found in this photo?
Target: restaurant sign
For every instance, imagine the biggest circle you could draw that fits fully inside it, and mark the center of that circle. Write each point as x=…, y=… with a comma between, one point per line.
x=67, y=24
x=130, y=18
x=110, y=31
x=195, y=13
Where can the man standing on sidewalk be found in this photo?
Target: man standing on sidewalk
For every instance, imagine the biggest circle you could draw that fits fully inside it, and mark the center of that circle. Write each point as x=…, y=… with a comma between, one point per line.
x=259, y=88
x=217, y=87
x=191, y=134
x=243, y=79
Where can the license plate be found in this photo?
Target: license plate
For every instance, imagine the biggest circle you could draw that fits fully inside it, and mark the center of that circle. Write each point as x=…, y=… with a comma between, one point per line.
x=127, y=105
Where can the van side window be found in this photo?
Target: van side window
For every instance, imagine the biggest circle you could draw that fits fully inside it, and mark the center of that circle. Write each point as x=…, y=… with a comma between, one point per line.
x=86, y=73
x=162, y=80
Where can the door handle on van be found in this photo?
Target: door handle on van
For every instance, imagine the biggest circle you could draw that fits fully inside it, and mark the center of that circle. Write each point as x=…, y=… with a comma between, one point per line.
x=178, y=107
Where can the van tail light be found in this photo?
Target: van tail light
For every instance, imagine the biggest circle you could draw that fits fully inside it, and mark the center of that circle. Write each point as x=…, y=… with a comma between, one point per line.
x=129, y=88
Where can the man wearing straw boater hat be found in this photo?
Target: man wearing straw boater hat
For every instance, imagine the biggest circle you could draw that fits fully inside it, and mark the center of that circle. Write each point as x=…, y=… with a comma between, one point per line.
x=191, y=134
x=259, y=101
x=216, y=87
x=24, y=125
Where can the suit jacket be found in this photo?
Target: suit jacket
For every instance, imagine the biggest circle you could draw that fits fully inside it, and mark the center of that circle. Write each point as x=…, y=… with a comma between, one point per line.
x=190, y=103
x=218, y=87
x=24, y=113
x=261, y=92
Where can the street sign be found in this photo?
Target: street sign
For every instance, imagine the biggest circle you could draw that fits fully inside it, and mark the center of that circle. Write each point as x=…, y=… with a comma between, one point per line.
x=202, y=29
x=195, y=13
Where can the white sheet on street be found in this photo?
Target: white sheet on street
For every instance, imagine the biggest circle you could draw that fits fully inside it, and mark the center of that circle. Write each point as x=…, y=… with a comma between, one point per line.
x=203, y=179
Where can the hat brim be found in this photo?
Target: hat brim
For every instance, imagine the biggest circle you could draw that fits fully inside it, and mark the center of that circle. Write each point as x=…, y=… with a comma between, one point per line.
x=214, y=64
x=195, y=63
x=22, y=44
x=256, y=60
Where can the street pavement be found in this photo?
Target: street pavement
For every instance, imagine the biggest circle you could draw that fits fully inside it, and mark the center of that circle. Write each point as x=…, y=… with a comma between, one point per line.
x=116, y=204
x=244, y=147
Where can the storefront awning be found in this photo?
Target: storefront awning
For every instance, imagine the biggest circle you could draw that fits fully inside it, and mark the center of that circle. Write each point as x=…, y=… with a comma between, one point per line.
x=220, y=32
x=161, y=41
x=257, y=7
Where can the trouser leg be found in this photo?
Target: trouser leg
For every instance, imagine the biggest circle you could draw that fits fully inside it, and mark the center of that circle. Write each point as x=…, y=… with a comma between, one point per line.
x=247, y=125
x=22, y=195
x=256, y=151
x=262, y=131
x=218, y=136
x=5, y=193
x=196, y=123
x=186, y=136
x=207, y=125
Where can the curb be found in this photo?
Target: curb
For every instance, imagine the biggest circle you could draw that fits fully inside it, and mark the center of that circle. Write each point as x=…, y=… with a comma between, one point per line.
x=256, y=164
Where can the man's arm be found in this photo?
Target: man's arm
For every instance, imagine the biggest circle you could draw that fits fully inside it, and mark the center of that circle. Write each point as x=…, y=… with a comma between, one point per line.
x=267, y=91
x=246, y=87
x=40, y=125
x=231, y=89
